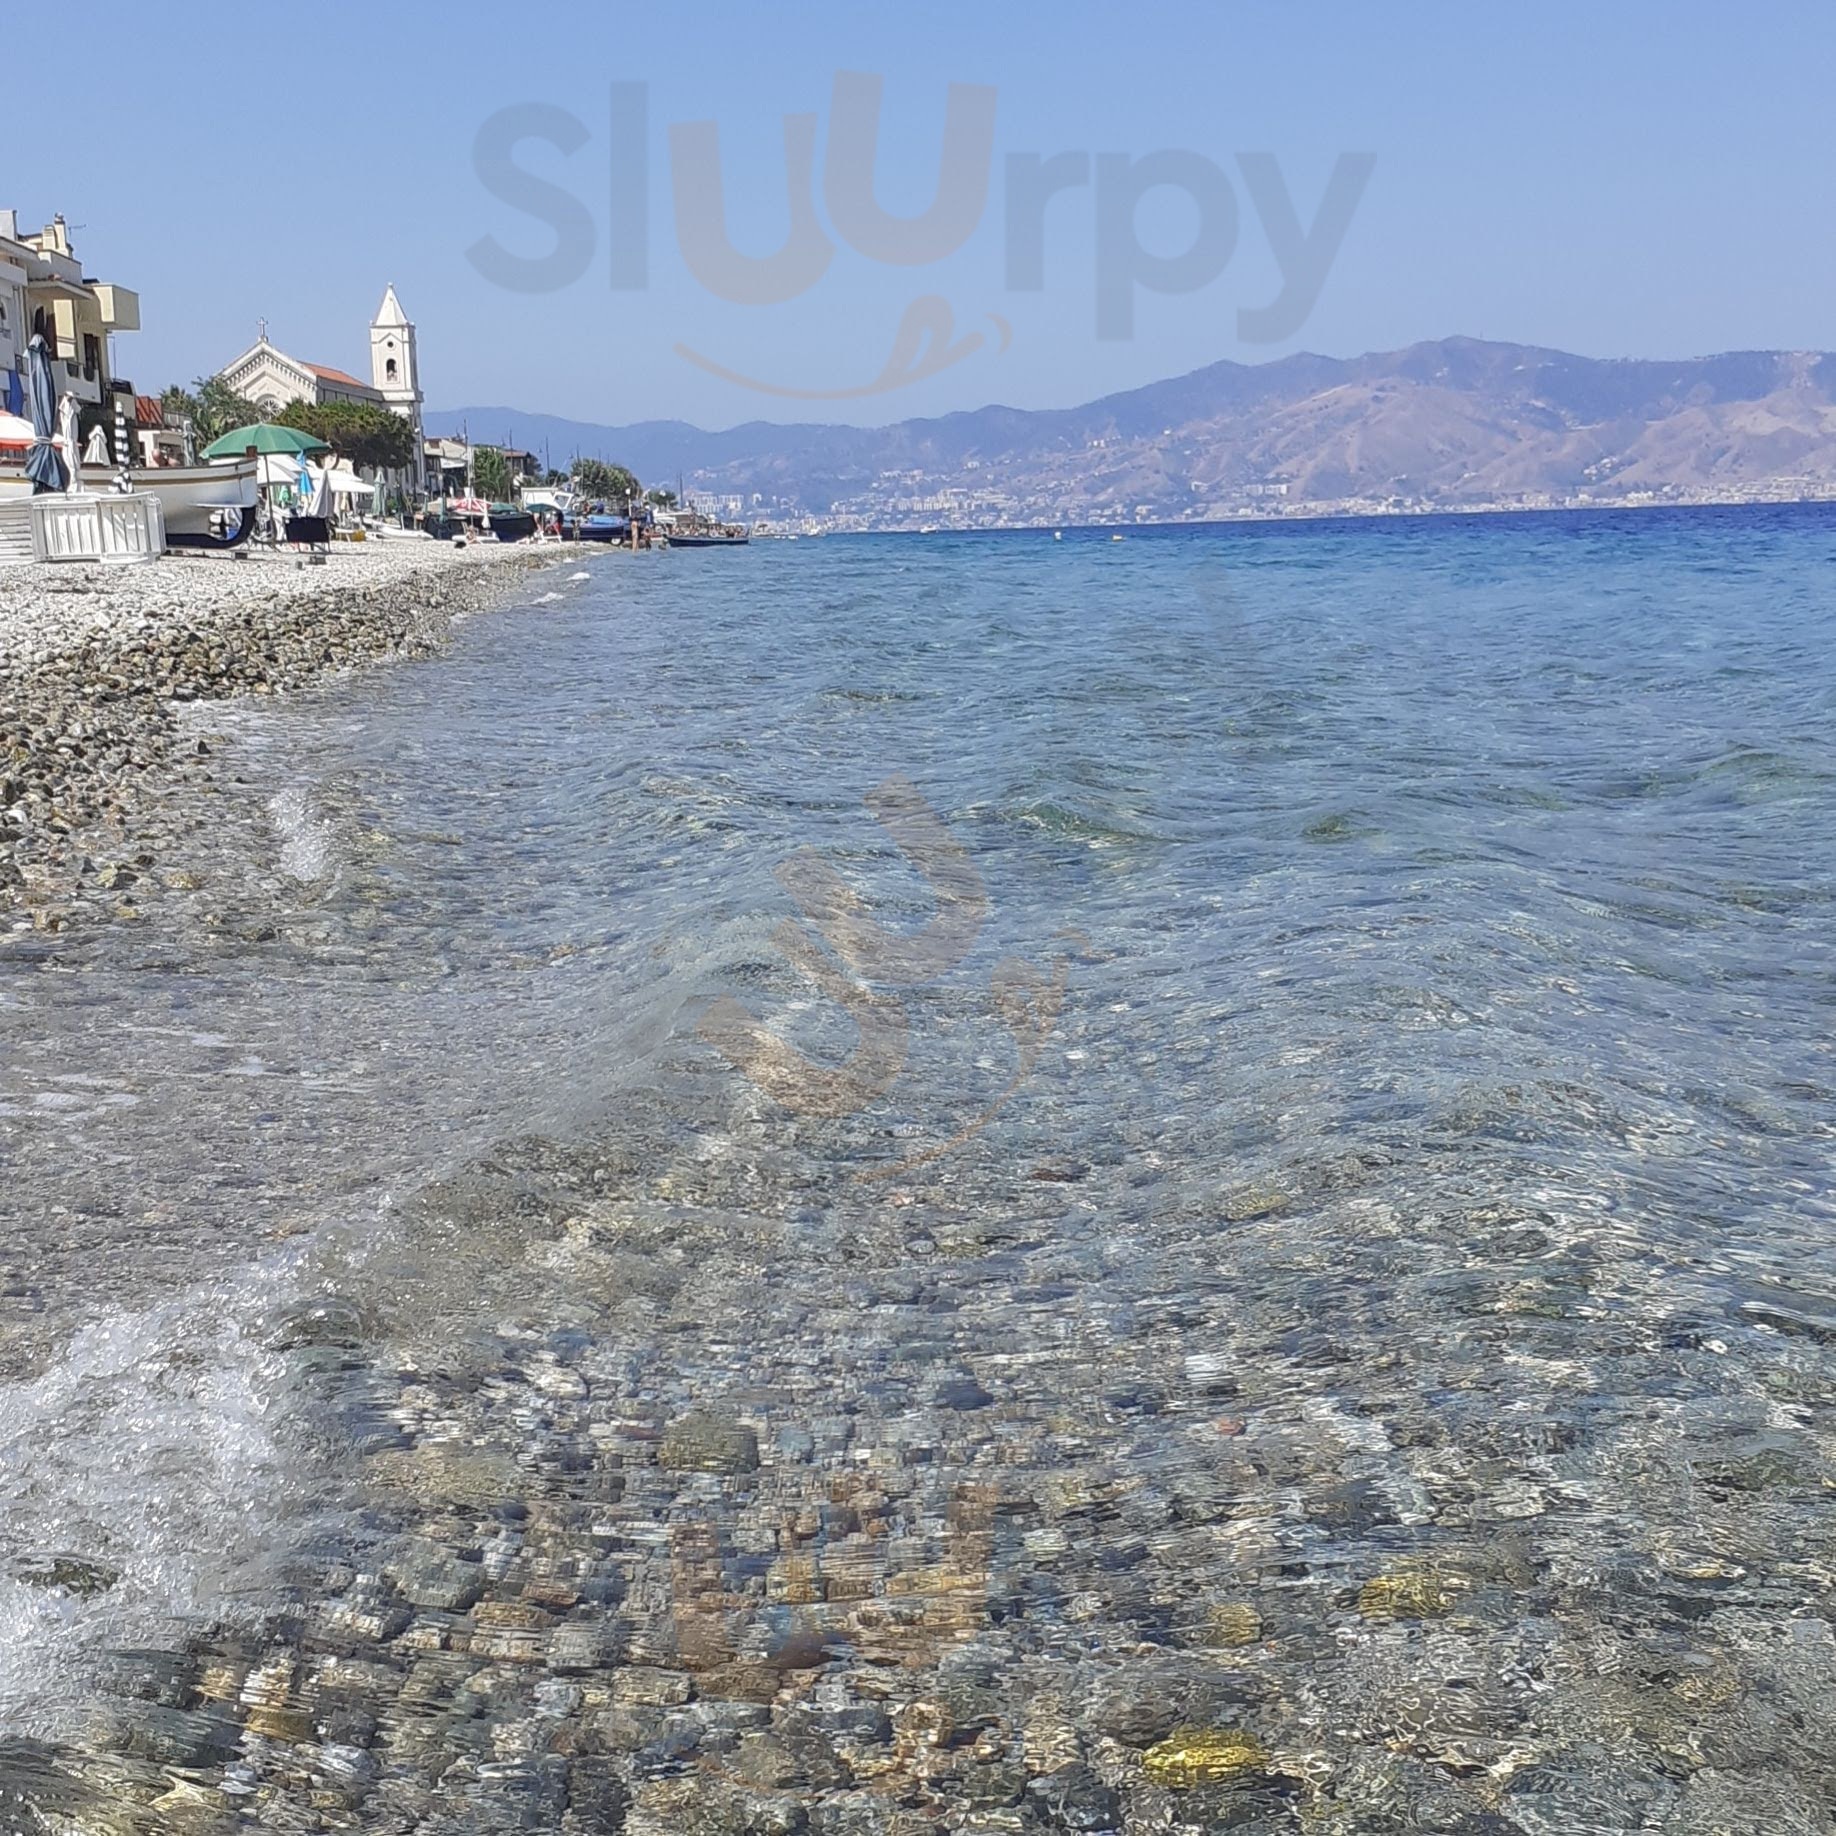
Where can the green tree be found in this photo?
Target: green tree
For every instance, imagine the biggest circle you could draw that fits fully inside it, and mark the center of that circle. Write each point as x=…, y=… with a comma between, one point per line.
x=361, y=433
x=491, y=473
x=612, y=482
x=660, y=499
x=212, y=406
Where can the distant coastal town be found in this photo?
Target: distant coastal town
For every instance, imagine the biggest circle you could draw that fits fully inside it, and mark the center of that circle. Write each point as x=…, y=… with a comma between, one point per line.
x=45, y=292
x=371, y=434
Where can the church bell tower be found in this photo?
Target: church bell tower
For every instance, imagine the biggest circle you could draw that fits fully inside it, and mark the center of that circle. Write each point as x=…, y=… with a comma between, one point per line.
x=395, y=370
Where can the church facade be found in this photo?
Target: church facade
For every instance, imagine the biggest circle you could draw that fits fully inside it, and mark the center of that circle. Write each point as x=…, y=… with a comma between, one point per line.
x=267, y=375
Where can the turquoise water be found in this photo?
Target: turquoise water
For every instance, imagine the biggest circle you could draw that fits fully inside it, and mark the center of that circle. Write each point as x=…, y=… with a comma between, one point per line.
x=1325, y=1235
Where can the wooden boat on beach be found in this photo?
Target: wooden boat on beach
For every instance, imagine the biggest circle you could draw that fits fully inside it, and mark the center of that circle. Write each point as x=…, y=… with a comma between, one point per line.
x=205, y=506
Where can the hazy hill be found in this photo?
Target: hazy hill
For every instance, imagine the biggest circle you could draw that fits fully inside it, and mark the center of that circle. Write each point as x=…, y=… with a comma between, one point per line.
x=1454, y=422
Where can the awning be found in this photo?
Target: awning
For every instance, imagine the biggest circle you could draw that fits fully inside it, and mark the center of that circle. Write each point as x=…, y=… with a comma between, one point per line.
x=343, y=481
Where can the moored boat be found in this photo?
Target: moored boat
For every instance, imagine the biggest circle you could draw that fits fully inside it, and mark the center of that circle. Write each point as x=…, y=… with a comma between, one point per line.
x=509, y=523
x=447, y=517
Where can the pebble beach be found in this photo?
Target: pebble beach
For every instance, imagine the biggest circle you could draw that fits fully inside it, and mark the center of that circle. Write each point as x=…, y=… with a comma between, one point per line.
x=94, y=662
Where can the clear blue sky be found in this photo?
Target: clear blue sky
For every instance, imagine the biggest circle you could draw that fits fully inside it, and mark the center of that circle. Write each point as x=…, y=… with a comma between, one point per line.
x=1642, y=179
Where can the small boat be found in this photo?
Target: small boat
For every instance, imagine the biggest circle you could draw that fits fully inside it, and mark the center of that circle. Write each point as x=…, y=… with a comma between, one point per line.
x=447, y=517
x=731, y=537
x=509, y=523
x=602, y=526
x=204, y=506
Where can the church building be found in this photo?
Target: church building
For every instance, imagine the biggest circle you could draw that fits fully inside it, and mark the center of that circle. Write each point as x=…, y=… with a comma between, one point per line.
x=269, y=376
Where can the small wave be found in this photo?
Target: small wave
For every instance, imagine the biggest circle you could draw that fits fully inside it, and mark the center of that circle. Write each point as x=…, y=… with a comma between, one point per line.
x=145, y=1478
x=1334, y=827
x=307, y=852
x=581, y=575
x=1075, y=825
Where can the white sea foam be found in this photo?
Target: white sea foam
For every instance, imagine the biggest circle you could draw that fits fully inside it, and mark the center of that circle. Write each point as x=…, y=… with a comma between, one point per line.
x=149, y=1450
x=307, y=851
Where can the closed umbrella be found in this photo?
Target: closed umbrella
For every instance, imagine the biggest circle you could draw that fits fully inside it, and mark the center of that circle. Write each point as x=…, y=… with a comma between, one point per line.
x=95, y=452
x=70, y=432
x=43, y=466
x=321, y=504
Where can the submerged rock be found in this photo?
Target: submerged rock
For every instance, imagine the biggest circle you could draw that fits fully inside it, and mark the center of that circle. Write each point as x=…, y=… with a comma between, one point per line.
x=1204, y=1756
x=704, y=1442
x=1414, y=1592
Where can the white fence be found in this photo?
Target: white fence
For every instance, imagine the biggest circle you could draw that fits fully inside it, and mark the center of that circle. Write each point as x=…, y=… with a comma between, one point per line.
x=17, y=547
x=121, y=529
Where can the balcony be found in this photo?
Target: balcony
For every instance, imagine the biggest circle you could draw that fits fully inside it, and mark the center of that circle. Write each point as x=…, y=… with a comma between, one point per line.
x=83, y=380
x=120, y=306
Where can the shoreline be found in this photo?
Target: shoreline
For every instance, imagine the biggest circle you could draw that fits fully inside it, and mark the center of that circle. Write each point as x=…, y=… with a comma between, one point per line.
x=97, y=662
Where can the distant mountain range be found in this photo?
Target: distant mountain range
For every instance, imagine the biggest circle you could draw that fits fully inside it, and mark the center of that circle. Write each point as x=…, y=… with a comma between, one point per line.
x=1454, y=424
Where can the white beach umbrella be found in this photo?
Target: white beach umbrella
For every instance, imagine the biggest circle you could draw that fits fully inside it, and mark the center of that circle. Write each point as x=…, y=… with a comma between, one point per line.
x=95, y=448
x=70, y=439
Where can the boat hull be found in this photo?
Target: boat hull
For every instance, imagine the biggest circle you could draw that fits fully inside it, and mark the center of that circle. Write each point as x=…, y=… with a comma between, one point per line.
x=190, y=494
x=205, y=506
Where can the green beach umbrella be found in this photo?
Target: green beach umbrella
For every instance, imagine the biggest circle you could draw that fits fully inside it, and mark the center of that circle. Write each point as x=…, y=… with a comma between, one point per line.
x=265, y=437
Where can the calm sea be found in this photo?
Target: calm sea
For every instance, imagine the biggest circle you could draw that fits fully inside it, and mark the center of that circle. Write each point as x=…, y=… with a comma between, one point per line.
x=1229, y=1130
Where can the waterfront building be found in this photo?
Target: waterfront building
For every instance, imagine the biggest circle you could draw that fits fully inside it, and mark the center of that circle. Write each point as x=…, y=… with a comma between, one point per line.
x=43, y=290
